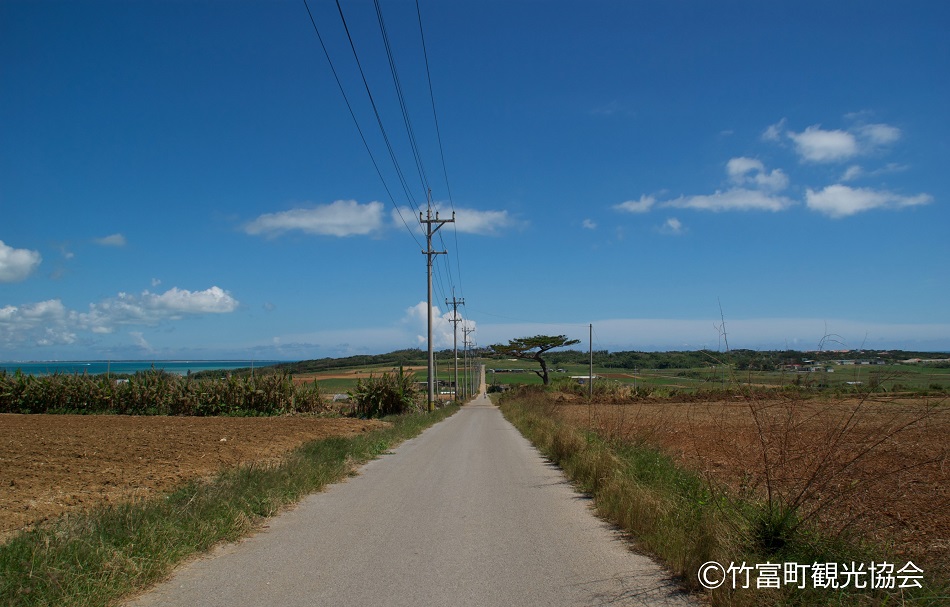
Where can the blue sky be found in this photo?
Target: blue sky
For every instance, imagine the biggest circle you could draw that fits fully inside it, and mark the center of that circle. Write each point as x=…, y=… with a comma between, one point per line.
x=184, y=179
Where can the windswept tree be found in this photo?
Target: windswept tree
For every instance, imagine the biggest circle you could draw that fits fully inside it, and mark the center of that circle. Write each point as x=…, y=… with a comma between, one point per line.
x=531, y=348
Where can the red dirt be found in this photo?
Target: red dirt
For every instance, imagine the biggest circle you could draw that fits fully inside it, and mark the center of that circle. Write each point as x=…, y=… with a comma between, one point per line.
x=51, y=464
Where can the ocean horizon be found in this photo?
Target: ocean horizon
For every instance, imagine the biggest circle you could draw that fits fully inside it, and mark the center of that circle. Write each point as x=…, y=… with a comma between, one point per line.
x=99, y=367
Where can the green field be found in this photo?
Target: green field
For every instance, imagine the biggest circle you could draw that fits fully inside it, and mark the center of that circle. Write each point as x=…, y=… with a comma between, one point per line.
x=885, y=378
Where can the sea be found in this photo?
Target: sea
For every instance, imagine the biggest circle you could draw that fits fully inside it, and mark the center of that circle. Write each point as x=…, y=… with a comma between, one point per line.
x=96, y=367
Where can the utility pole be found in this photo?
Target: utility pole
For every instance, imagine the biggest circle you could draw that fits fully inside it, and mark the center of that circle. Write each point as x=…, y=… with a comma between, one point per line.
x=590, y=380
x=455, y=303
x=432, y=226
x=467, y=343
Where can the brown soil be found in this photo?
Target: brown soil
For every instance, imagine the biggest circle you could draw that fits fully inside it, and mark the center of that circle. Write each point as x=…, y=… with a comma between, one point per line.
x=51, y=464
x=878, y=470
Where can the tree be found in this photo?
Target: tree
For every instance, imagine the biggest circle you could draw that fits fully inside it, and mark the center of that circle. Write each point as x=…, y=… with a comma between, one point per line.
x=531, y=348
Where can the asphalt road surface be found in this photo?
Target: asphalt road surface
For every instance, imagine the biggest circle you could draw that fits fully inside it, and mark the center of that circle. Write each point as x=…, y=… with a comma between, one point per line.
x=468, y=513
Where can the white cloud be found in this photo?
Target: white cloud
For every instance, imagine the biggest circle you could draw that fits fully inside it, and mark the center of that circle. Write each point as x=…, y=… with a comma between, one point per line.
x=852, y=172
x=17, y=264
x=817, y=145
x=114, y=240
x=589, y=224
x=340, y=218
x=43, y=323
x=151, y=308
x=472, y=221
x=774, y=131
x=467, y=221
x=743, y=170
x=736, y=199
x=842, y=201
x=442, y=326
x=879, y=134
x=50, y=322
x=672, y=226
x=737, y=168
x=637, y=206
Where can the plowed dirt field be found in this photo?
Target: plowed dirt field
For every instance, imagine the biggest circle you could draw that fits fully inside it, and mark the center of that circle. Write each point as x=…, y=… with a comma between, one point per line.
x=51, y=464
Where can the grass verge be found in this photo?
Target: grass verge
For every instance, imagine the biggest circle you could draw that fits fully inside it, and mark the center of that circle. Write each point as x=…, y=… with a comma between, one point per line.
x=100, y=557
x=675, y=515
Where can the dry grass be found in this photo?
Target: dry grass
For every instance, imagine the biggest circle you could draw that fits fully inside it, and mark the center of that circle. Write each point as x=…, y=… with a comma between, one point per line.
x=855, y=469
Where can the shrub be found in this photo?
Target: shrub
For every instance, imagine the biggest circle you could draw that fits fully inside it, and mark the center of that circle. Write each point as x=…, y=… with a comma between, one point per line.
x=389, y=394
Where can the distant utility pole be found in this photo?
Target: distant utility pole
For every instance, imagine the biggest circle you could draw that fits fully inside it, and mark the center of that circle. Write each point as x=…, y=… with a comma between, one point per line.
x=432, y=226
x=466, y=344
x=455, y=303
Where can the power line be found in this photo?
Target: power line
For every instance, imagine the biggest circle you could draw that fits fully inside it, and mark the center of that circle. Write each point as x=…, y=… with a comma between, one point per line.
x=401, y=98
x=356, y=122
x=379, y=120
x=438, y=133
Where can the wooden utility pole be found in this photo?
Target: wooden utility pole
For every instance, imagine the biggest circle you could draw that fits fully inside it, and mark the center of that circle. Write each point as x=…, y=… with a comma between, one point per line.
x=465, y=344
x=590, y=379
x=432, y=226
x=455, y=303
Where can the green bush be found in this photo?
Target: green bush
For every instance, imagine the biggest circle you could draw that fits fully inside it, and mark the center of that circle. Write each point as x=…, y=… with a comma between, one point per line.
x=158, y=393
x=388, y=394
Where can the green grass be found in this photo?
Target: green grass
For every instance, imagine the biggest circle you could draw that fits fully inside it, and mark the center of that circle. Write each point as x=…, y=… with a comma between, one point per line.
x=94, y=559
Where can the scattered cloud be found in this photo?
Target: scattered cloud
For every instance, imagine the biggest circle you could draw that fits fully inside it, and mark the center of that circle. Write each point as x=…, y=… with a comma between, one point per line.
x=637, y=206
x=341, y=218
x=50, y=322
x=818, y=145
x=443, y=326
x=467, y=221
x=852, y=172
x=472, y=221
x=589, y=224
x=878, y=134
x=838, y=200
x=749, y=171
x=672, y=227
x=114, y=240
x=735, y=199
x=17, y=264
x=152, y=308
x=774, y=131
x=43, y=323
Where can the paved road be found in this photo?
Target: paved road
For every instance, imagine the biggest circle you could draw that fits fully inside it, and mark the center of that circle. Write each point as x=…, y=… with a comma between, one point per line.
x=466, y=514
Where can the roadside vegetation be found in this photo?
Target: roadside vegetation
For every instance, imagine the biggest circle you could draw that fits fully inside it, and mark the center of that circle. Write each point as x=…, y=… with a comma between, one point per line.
x=96, y=558
x=753, y=477
x=159, y=393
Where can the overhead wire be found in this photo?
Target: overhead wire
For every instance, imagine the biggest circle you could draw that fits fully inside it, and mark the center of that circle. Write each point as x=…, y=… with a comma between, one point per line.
x=379, y=120
x=413, y=141
x=438, y=133
x=410, y=133
x=356, y=122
